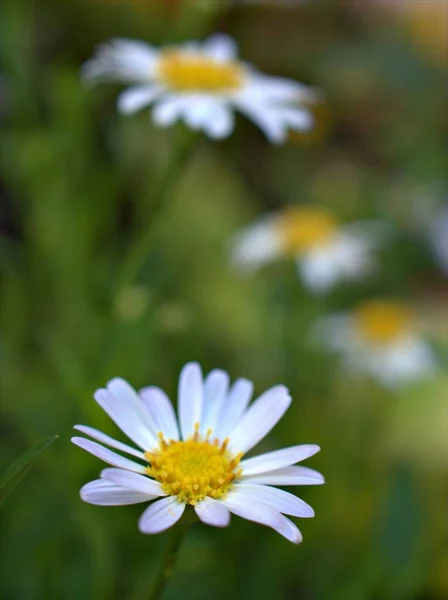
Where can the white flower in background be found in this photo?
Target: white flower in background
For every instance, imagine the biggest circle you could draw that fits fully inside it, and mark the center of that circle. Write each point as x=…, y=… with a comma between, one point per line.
x=199, y=461
x=325, y=250
x=381, y=338
x=201, y=84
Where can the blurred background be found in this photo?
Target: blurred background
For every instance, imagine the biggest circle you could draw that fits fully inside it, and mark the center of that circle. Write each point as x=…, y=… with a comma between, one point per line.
x=77, y=190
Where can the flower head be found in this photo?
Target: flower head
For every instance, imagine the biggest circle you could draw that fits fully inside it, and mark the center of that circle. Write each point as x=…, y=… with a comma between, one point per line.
x=198, y=460
x=326, y=251
x=201, y=84
x=382, y=338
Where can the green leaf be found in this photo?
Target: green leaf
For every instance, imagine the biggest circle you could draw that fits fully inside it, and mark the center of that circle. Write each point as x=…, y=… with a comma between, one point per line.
x=20, y=467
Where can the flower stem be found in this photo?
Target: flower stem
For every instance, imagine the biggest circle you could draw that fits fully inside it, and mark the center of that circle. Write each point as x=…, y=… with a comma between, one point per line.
x=169, y=560
x=134, y=261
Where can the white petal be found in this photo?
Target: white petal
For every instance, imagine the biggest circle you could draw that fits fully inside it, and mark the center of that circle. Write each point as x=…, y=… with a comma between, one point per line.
x=254, y=510
x=198, y=109
x=288, y=476
x=105, y=439
x=106, y=493
x=161, y=515
x=212, y=512
x=260, y=418
x=209, y=113
x=108, y=456
x=220, y=47
x=220, y=123
x=121, y=60
x=137, y=97
x=126, y=409
x=234, y=407
x=397, y=364
x=348, y=256
x=317, y=272
x=282, y=501
x=256, y=245
x=266, y=119
x=161, y=411
x=168, y=110
x=279, y=90
x=190, y=398
x=278, y=459
x=296, y=119
x=134, y=482
x=289, y=531
x=216, y=385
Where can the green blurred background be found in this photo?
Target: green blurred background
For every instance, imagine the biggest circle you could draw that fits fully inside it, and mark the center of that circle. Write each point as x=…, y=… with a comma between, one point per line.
x=78, y=187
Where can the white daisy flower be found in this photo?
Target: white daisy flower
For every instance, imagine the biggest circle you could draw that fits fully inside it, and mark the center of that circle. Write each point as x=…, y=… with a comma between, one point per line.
x=381, y=338
x=198, y=459
x=326, y=251
x=201, y=84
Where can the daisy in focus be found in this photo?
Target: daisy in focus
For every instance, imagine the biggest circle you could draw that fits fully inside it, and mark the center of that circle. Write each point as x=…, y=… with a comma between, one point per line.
x=197, y=459
x=381, y=338
x=201, y=84
x=326, y=251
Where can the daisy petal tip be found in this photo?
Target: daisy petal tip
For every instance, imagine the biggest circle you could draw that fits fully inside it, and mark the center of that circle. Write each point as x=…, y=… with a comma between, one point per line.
x=319, y=479
x=298, y=539
x=314, y=449
x=290, y=531
x=99, y=394
x=116, y=381
x=192, y=365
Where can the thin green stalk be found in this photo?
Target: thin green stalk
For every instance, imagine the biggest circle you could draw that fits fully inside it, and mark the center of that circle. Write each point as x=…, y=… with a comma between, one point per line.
x=169, y=560
x=134, y=261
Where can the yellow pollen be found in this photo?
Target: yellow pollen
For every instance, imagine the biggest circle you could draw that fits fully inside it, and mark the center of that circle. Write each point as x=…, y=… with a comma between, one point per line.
x=193, y=469
x=303, y=228
x=185, y=72
x=383, y=321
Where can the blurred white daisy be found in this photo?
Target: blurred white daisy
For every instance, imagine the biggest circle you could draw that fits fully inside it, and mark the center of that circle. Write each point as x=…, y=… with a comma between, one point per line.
x=382, y=338
x=198, y=461
x=325, y=250
x=201, y=84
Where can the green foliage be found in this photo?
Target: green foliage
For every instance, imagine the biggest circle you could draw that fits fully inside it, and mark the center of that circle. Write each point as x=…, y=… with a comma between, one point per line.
x=20, y=467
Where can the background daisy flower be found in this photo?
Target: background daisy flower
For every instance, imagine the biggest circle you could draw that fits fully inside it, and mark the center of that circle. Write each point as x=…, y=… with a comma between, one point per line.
x=325, y=250
x=197, y=460
x=201, y=84
x=381, y=338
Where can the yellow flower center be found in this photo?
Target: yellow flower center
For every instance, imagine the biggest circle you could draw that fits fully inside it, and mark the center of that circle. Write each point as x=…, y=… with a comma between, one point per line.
x=382, y=321
x=303, y=228
x=194, y=468
x=185, y=72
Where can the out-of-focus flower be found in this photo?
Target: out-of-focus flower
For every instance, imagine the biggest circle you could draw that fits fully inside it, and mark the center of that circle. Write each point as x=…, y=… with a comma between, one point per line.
x=197, y=460
x=201, y=84
x=326, y=251
x=382, y=338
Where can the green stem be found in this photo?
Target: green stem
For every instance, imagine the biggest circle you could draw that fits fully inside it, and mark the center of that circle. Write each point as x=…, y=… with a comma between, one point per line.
x=134, y=261
x=169, y=560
